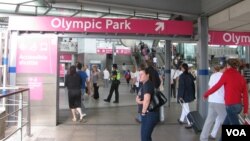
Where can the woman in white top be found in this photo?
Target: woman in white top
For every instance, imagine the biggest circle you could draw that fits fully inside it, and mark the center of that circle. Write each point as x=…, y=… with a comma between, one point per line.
x=216, y=108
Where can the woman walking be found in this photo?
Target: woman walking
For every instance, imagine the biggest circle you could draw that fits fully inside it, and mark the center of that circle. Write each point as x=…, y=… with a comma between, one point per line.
x=236, y=95
x=73, y=83
x=186, y=93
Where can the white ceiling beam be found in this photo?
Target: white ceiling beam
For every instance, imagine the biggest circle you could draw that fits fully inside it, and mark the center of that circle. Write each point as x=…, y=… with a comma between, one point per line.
x=76, y=13
x=17, y=8
x=135, y=8
x=27, y=2
x=47, y=11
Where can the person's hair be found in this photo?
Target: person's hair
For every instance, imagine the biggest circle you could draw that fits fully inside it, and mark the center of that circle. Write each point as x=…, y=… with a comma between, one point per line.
x=234, y=63
x=222, y=66
x=79, y=66
x=185, y=67
x=247, y=66
x=94, y=68
x=146, y=70
x=134, y=69
x=217, y=68
x=114, y=66
x=142, y=66
x=72, y=70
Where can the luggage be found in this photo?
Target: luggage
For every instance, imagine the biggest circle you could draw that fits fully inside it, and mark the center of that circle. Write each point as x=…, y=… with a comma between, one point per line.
x=244, y=120
x=196, y=121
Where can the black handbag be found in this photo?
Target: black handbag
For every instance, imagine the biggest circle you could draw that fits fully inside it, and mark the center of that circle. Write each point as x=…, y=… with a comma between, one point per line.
x=158, y=99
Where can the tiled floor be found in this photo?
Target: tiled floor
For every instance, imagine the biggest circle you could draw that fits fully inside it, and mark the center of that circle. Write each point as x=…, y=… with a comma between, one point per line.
x=111, y=122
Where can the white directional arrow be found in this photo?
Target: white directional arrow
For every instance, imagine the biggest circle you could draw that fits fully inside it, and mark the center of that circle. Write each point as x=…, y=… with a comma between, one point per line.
x=159, y=26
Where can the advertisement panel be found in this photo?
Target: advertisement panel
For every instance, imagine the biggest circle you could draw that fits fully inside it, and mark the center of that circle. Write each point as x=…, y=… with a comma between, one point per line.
x=36, y=54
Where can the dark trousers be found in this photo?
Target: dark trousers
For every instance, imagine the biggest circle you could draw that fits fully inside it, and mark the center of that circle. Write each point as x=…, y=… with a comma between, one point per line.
x=96, y=92
x=173, y=89
x=148, y=123
x=114, y=87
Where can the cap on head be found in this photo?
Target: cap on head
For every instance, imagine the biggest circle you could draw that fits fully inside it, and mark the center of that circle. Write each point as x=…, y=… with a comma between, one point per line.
x=115, y=66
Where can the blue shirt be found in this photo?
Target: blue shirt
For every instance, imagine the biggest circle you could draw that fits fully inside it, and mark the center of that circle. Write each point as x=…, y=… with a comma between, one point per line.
x=84, y=77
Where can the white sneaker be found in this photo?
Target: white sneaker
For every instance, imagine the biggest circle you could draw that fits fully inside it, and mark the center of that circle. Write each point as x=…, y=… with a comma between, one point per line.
x=84, y=115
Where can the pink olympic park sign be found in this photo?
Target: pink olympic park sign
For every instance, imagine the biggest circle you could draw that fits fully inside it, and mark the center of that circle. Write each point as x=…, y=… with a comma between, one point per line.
x=229, y=38
x=101, y=25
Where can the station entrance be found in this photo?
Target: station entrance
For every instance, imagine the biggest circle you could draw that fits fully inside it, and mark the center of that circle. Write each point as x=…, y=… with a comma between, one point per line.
x=39, y=63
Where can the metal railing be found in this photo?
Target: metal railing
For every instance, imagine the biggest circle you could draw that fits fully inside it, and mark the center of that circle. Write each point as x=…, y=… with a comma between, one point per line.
x=16, y=104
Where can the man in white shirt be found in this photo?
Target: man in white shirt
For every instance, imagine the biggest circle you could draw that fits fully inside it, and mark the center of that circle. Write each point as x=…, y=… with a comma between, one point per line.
x=155, y=61
x=216, y=108
x=106, y=76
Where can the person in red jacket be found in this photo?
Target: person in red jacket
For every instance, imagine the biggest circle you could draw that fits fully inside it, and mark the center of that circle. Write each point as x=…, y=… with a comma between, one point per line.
x=235, y=90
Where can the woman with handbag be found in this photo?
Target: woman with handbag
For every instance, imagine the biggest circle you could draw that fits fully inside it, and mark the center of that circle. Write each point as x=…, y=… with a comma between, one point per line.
x=149, y=118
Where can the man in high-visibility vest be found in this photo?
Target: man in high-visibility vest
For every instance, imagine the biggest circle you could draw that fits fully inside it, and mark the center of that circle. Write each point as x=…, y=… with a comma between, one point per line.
x=114, y=85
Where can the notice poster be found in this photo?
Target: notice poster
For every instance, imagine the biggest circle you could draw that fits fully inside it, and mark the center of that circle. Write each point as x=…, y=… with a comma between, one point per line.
x=36, y=88
x=62, y=70
x=36, y=54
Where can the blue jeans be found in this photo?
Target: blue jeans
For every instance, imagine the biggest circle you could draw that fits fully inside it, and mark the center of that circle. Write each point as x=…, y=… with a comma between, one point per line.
x=232, y=115
x=148, y=123
x=83, y=92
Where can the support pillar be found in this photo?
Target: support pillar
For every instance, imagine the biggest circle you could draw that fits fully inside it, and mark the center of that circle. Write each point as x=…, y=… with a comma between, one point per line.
x=247, y=54
x=202, y=60
x=167, y=60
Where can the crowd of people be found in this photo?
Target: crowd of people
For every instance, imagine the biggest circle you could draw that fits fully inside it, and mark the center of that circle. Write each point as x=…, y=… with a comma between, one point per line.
x=225, y=97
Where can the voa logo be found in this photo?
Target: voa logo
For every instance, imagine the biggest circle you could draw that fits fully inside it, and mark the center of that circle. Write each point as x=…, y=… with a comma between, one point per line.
x=236, y=132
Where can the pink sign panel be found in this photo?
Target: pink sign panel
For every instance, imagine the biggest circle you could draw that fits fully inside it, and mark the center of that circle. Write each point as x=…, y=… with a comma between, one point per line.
x=36, y=54
x=36, y=88
x=103, y=51
x=123, y=51
x=101, y=25
x=229, y=38
x=66, y=57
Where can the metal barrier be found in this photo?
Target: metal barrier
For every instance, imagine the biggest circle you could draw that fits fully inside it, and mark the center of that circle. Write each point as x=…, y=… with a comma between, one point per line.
x=14, y=103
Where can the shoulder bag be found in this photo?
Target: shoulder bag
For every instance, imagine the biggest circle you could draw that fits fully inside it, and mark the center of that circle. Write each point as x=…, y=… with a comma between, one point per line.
x=158, y=99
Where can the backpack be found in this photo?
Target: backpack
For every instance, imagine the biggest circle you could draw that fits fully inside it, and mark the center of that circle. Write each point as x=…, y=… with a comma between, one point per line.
x=127, y=75
x=154, y=77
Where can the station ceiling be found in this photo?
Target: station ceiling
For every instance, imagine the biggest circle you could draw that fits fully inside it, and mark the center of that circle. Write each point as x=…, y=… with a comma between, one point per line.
x=131, y=9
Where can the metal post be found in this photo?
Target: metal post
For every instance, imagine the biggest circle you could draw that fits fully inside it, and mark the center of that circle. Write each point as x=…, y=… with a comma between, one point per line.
x=202, y=60
x=28, y=129
x=247, y=54
x=167, y=88
x=20, y=116
x=5, y=59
